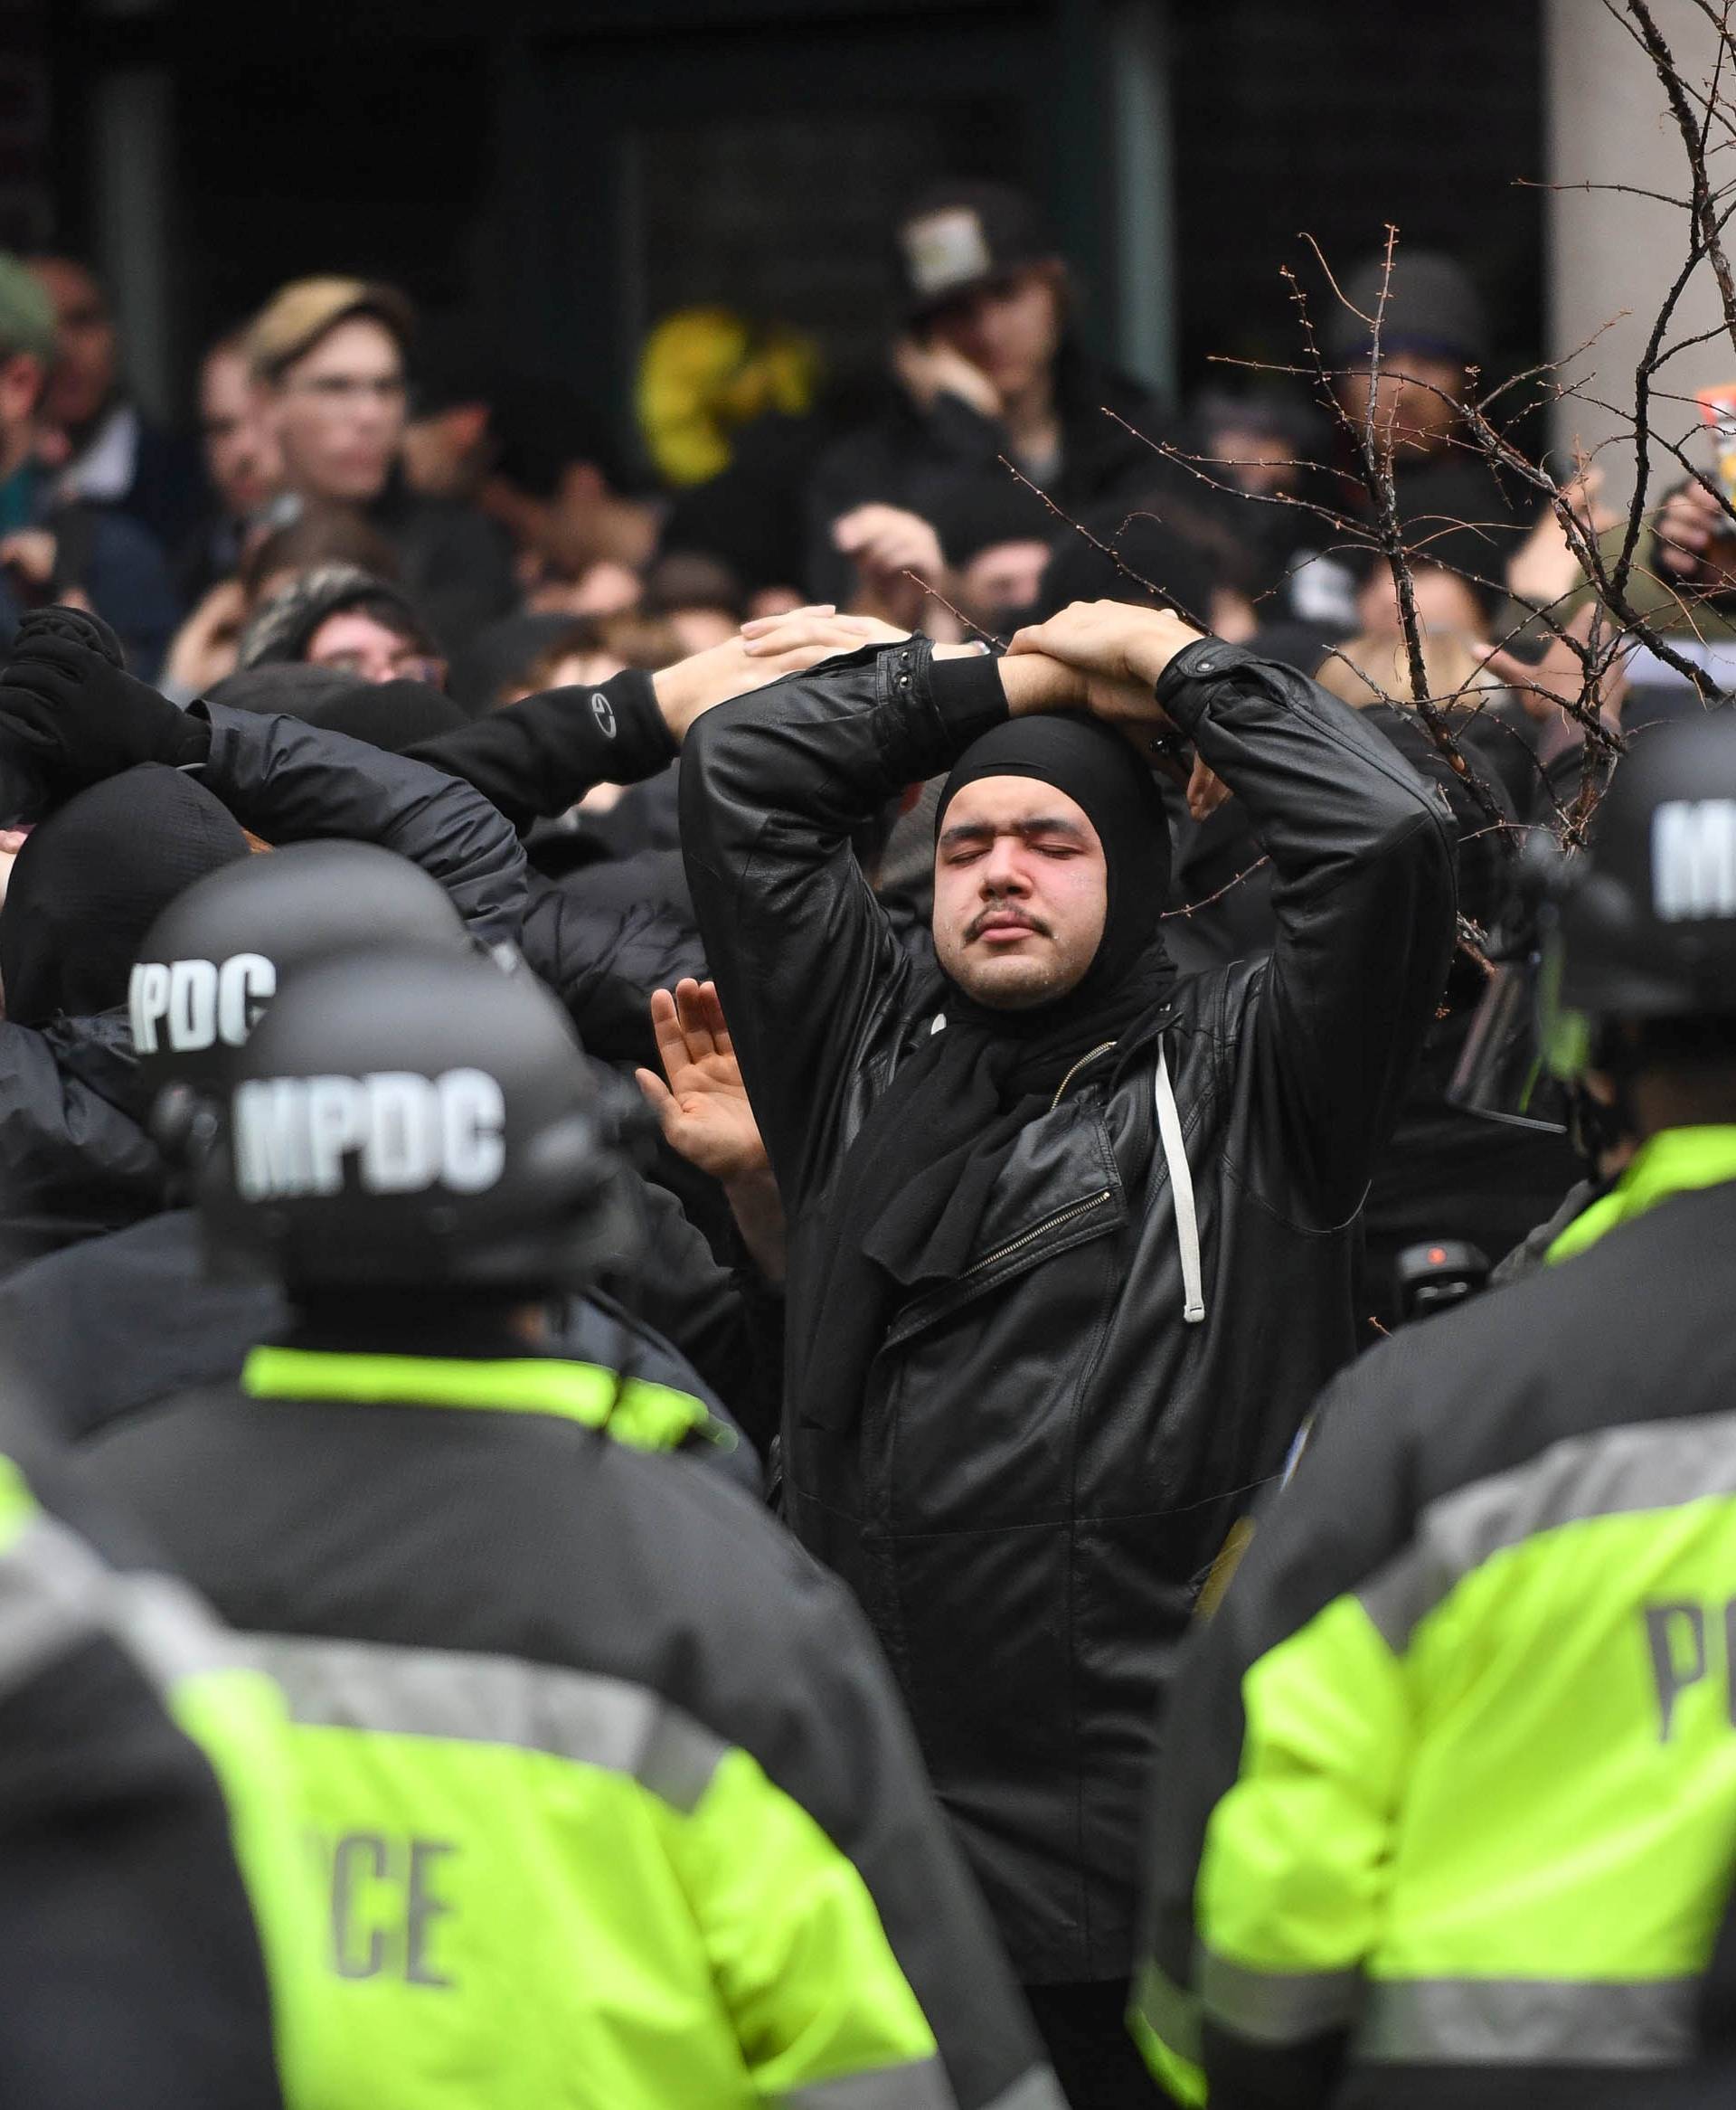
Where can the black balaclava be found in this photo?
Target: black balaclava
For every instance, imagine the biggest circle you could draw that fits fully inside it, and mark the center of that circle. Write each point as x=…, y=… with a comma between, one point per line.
x=1097, y=769
x=911, y=1190
x=90, y=881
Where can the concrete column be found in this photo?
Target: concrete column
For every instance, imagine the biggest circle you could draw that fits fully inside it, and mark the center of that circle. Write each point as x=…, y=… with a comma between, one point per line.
x=132, y=133
x=1144, y=233
x=1608, y=121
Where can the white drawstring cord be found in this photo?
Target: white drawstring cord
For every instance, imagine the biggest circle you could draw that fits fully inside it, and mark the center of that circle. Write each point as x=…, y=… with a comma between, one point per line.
x=1181, y=1187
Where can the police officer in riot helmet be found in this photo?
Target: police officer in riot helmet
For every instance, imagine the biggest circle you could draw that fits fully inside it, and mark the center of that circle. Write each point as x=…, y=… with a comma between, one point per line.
x=118, y=1324
x=1479, y=1644
x=468, y=1190
x=607, y=1778
x=1615, y=1013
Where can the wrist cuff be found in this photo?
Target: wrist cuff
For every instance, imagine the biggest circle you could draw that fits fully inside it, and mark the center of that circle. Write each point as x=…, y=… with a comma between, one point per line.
x=646, y=743
x=1178, y=688
x=191, y=743
x=967, y=698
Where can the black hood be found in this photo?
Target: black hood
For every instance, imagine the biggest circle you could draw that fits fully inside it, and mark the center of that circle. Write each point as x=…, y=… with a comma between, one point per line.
x=91, y=880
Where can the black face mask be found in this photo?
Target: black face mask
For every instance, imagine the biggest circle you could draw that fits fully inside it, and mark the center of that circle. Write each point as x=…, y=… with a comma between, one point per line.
x=912, y=1192
x=90, y=882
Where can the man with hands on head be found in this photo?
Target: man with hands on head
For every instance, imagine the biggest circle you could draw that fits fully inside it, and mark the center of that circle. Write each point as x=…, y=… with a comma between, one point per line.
x=1070, y=1237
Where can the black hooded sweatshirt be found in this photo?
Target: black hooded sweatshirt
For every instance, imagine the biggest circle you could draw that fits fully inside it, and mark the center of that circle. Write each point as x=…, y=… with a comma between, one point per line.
x=74, y=1158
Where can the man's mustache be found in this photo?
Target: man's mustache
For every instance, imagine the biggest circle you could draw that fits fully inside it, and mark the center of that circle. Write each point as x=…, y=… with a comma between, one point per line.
x=1004, y=912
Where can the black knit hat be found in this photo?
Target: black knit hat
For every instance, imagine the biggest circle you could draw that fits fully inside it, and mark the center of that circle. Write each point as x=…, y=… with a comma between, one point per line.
x=1432, y=307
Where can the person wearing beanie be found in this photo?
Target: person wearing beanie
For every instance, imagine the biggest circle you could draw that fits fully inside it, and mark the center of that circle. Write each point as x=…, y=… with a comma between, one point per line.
x=329, y=357
x=1071, y=1235
x=1432, y=344
x=341, y=617
x=127, y=801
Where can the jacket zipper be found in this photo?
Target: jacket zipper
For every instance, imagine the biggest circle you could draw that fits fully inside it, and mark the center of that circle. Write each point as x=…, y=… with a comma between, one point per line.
x=1037, y=1230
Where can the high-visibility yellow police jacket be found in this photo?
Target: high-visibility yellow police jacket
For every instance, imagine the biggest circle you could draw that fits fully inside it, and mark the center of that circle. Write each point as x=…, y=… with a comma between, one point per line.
x=615, y=1802
x=1447, y=1808
x=156, y=1915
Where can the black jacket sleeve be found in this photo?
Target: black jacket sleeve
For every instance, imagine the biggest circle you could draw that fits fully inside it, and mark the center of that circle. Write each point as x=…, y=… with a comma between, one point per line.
x=288, y=781
x=773, y=786
x=536, y=758
x=74, y=1157
x=604, y=962
x=1363, y=898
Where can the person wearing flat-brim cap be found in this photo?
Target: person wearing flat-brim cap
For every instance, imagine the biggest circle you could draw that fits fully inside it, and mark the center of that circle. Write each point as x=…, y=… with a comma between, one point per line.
x=985, y=363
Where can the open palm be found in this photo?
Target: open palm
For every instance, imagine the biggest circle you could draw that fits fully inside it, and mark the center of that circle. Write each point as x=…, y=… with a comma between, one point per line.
x=699, y=1099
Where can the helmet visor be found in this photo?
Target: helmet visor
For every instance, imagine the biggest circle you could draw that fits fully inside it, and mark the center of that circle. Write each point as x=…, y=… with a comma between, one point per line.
x=1502, y=1073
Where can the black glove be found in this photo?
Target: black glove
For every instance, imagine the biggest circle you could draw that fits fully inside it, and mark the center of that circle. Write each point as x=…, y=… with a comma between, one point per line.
x=77, y=623
x=78, y=718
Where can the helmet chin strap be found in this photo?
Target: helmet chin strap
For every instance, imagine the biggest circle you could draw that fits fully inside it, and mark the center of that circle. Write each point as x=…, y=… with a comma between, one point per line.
x=1596, y=1125
x=1593, y=1128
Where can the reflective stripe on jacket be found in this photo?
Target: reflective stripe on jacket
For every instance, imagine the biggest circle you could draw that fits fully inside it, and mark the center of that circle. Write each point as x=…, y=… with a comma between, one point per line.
x=133, y=1954
x=614, y=1803
x=1457, y=1804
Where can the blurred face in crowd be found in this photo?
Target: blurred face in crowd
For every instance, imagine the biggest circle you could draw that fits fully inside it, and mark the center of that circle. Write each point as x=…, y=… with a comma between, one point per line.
x=1260, y=462
x=86, y=354
x=1010, y=329
x=1444, y=603
x=1415, y=398
x=1002, y=581
x=21, y=389
x=1021, y=889
x=338, y=412
x=355, y=642
x=241, y=452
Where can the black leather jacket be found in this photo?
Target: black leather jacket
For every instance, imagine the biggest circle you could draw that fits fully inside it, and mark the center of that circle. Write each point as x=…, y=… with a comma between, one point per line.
x=1048, y=1457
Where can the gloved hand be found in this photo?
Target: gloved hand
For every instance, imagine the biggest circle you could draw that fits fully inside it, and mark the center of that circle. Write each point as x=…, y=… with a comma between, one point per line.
x=80, y=624
x=77, y=716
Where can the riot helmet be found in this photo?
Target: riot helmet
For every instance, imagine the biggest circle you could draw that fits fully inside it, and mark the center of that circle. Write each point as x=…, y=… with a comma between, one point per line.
x=1642, y=924
x=1638, y=926
x=402, y=1122
x=210, y=963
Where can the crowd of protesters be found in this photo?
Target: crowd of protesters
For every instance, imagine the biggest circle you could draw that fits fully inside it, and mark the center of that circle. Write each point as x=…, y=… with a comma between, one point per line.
x=684, y=1137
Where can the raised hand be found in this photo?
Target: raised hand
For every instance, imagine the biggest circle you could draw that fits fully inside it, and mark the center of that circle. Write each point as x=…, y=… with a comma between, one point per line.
x=775, y=646
x=1112, y=640
x=1547, y=685
x=898, y=558
x=1693, y=536
x=700, y=1099
x=928, y=371
x=1544, y=568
